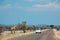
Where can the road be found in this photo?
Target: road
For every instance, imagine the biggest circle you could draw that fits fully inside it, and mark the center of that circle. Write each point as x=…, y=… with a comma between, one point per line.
x=46, y=35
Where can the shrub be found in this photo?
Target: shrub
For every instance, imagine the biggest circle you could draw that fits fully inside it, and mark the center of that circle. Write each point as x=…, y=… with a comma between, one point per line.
x=1, y=30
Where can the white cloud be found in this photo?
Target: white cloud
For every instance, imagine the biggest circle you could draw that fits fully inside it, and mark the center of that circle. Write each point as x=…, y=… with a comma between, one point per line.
x=17, y=6
x=29, y=0
x=6, y=6
x=38, y=0
x=42, y=0
x=35, y=7
x=10, y=6
x=39, y=7
x=50, y=5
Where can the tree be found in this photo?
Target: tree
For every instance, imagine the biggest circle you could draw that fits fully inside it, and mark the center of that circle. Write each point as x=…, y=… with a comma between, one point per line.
x=34, y=27
x=52, y=26
x=24, y=26
x=1, y=30
x=18, y=26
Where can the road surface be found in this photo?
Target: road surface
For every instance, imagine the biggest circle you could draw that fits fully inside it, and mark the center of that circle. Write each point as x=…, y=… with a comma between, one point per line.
x=46, y=35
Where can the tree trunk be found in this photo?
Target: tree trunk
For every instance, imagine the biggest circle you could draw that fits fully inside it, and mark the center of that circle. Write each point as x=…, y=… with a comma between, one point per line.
x=24, y=31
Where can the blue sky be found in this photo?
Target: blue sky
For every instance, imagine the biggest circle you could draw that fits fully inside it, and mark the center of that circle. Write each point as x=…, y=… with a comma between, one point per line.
x=33, y=11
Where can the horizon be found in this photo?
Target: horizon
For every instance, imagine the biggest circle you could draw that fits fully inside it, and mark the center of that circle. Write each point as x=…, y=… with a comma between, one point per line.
x=34, y=12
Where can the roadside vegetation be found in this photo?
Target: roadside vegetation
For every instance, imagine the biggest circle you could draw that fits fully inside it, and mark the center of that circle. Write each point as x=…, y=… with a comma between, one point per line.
x=1, y=30
x=52, y=26
x=58, y=29
x=23, y=26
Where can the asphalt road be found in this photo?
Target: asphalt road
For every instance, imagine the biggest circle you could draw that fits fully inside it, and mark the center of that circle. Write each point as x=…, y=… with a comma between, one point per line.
x=46, y=35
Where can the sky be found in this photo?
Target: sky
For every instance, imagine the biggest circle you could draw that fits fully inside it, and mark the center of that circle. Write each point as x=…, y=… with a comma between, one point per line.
x=34, y=12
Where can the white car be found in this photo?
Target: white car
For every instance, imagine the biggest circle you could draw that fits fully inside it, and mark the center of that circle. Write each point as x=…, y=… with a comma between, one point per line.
x=38, y=31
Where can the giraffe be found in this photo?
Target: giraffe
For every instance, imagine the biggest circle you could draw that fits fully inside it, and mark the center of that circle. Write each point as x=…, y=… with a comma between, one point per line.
x=13, y=29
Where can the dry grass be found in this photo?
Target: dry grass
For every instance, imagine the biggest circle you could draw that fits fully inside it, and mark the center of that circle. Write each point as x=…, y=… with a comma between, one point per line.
x=18, y=34
x=57, y=34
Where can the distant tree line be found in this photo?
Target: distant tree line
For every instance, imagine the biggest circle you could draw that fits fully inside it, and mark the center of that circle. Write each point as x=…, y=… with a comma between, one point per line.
x=23, y=26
